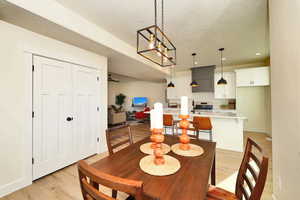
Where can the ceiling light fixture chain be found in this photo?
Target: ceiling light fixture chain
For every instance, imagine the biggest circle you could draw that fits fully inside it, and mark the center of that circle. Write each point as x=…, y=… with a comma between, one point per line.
x=222, y=81
x=222, y=62
x=194, y=83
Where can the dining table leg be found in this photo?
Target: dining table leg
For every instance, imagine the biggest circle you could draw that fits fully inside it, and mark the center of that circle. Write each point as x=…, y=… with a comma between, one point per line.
x=213, y=172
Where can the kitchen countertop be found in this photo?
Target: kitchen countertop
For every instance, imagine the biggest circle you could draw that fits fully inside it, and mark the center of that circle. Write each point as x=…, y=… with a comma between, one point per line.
x=226, y=114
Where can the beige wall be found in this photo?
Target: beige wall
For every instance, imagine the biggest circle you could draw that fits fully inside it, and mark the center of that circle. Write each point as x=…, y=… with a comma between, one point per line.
x=253, y=103
x=136, y=88
x=15, y=90
x=285, y=73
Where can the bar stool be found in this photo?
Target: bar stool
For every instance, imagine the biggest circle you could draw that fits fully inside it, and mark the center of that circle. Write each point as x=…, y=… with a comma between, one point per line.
x=194, y=128
x=168, y=122
x=203, y=125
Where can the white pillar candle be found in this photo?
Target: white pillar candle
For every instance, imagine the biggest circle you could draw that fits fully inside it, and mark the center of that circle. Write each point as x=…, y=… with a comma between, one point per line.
x=152, y=119
x=184, y=105
x=158, y=107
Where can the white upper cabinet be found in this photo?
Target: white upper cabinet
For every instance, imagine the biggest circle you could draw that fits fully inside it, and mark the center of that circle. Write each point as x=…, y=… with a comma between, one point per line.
x=259, y=76
x=225, y=91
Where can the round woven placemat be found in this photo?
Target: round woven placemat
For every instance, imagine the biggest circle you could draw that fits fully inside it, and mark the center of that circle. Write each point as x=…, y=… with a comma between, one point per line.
x=146, y=148
x=171, y=166
x=195, y=150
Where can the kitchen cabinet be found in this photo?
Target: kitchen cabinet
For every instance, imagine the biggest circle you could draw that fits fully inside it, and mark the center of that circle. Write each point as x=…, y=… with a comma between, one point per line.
x=227, y=91
x=258, y=76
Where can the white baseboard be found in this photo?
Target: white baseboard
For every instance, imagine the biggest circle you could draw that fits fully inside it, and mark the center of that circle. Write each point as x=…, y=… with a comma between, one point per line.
x=256, y=130
x=14, y=186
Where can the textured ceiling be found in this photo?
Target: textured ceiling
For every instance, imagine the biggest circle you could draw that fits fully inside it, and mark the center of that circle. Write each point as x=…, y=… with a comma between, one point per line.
x=241, y=26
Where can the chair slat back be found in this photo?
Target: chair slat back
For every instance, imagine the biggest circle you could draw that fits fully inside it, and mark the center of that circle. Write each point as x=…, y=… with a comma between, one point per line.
x=118, y=136
x=90, y=179
x=252, y=173
x=202, y=123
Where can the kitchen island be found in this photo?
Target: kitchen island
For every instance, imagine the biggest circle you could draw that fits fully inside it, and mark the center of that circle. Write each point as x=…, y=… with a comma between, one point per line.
x=227, y=131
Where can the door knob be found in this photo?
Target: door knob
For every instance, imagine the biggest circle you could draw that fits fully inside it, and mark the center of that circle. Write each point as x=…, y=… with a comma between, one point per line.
x=69, y=119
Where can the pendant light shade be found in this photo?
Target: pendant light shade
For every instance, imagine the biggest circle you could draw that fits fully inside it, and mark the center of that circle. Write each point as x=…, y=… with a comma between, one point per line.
x=171, y=85
x=222, y=81
x=194, y=83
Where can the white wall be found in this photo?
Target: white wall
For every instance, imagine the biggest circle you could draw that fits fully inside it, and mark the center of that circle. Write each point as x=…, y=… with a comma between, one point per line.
x=285, y=84
x=252, y=103
x=15, y=90
x=155, y=92
x=55, y=12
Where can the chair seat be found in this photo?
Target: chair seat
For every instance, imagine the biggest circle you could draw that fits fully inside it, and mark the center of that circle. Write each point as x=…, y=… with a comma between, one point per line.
x=215, y=193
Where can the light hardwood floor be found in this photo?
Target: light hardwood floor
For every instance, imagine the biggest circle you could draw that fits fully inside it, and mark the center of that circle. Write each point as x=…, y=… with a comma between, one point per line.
x=64, y=185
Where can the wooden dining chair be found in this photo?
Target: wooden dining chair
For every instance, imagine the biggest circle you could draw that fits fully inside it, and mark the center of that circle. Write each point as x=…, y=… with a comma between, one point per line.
x=90, y=179
x=168, y=122
x=251, y=177
x=118, y=136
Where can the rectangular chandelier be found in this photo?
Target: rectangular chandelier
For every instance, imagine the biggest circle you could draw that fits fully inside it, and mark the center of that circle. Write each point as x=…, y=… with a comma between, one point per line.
x=154, y=45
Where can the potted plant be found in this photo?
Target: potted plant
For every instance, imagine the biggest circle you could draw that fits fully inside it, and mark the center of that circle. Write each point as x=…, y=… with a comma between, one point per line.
x=120, y=100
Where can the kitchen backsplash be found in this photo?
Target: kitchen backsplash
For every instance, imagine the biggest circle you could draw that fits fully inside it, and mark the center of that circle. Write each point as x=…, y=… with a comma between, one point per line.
x=204, y=97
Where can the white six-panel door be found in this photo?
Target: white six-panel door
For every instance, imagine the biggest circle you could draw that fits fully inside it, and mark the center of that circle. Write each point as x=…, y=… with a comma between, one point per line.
x=85, y=111
x=65, y=114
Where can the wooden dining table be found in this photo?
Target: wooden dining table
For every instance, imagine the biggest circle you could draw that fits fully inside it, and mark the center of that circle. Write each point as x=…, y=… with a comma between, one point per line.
x=189, y=183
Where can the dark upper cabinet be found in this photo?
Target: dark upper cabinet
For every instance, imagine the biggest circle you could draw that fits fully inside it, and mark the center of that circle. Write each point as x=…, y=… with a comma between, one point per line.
x=204, y=77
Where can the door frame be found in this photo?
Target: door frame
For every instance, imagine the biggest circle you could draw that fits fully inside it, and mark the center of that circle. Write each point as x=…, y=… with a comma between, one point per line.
x=28, y=136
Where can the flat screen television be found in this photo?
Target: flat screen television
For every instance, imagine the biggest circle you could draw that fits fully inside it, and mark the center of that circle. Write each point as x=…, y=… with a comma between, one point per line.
x=139, y=101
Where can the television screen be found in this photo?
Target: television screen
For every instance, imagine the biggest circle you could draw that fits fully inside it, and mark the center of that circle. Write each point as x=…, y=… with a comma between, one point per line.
x=139, y=101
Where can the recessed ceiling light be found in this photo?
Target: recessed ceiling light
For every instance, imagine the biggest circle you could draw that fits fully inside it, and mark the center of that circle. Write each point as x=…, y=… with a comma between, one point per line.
x=223, y=59
x=258, y=54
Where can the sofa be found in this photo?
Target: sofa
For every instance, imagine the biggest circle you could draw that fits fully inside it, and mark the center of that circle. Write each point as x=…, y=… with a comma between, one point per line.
x=116, y=117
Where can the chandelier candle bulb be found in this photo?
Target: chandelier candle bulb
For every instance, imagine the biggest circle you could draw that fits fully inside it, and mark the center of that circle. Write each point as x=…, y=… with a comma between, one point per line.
x=184, y=105
x=151, y=42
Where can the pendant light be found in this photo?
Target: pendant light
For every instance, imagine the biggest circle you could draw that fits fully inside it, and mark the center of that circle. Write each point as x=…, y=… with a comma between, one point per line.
x=222, y=81
x=171, y=84
x=153, y=43
x=194, y=83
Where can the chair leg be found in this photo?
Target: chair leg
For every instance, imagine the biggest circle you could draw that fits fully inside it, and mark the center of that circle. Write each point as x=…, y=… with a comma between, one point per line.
x=173, y=130
x=213, y=172
x=197, y=134
x=114, y=193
